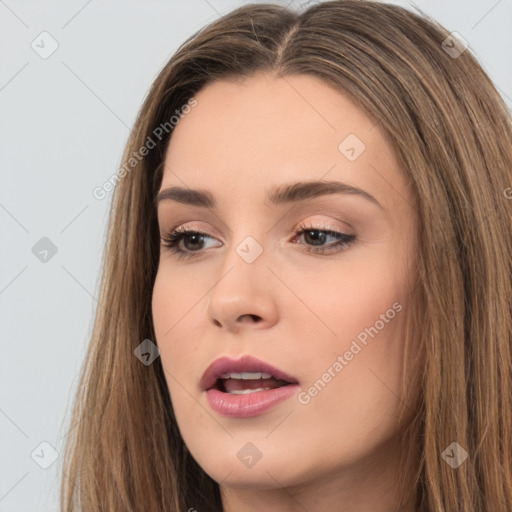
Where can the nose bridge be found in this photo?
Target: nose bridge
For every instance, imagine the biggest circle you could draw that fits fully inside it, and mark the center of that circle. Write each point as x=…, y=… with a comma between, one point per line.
x=242, y=288
x=247, y=243
x=244, y=265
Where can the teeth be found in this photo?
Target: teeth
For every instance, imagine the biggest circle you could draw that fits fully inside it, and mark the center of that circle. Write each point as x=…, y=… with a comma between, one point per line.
x=245, y=391
x=246, y=376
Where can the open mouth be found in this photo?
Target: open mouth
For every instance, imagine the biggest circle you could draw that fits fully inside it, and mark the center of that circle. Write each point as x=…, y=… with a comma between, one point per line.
x=245, y=387
x=248, y=382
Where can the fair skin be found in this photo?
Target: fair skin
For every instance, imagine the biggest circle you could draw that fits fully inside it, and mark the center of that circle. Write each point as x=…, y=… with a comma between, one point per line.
x=336, y=449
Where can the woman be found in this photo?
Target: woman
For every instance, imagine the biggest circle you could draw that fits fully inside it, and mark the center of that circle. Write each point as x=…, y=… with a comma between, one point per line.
x=307, y=288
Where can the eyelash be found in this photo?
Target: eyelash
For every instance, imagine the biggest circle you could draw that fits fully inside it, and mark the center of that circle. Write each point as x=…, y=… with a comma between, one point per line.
x=172, y=240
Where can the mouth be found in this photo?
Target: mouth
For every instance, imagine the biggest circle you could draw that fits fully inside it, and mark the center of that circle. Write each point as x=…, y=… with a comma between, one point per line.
x=244, y=375
x=247, y=382
x=246, y=386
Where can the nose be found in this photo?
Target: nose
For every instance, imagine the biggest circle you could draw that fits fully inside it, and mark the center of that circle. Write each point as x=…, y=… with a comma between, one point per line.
x=243, y=297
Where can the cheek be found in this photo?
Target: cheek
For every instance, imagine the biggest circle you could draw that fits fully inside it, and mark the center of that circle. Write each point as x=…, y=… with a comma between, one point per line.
x=360, y=307
x=176, y=294
x=173, y=308
x=349, y=295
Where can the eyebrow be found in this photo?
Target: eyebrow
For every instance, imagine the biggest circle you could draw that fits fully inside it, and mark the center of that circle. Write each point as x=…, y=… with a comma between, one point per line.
x=277, y=196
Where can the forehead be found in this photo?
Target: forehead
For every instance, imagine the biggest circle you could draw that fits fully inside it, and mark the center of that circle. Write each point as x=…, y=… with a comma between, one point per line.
x=243, y=136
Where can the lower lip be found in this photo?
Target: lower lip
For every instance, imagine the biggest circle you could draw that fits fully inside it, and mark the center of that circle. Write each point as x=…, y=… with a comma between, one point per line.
x=251, y=404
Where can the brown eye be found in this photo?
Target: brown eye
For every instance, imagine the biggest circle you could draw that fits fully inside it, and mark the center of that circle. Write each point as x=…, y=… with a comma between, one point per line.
x=317, y=237
x=193, y=242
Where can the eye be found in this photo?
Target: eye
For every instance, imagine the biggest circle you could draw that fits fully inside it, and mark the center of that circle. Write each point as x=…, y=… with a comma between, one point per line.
x=317, y=236
x=194, y=240
x=173, y=239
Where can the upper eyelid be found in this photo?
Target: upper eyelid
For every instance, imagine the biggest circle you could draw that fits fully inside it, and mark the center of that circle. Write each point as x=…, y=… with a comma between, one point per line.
x=304, y=208
x=311, y=218
x=313, y=223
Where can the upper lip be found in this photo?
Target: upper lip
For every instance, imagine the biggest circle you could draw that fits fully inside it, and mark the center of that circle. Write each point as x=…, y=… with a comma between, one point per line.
x=245, y=363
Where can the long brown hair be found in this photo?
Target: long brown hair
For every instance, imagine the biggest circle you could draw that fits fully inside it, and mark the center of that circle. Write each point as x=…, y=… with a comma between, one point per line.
x=453, y=133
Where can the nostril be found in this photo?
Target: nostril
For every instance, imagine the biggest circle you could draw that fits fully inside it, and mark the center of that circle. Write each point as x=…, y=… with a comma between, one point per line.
x=252, y=317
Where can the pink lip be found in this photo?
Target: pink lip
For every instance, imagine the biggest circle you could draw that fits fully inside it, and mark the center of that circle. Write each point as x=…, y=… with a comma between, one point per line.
x=244, y=406
x=245, y=363
x=251, y=404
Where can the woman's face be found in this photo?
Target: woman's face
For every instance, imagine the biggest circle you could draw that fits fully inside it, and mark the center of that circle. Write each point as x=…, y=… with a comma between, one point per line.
x=309, y=283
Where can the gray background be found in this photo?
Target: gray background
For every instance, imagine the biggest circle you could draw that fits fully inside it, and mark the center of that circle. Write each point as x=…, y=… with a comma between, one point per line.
x=63, y=123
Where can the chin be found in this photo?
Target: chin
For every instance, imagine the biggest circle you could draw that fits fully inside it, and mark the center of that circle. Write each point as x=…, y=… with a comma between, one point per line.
x=275, y=467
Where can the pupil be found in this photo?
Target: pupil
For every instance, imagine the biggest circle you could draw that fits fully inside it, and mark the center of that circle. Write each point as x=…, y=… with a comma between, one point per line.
x=195, y=237
x=320, y=235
